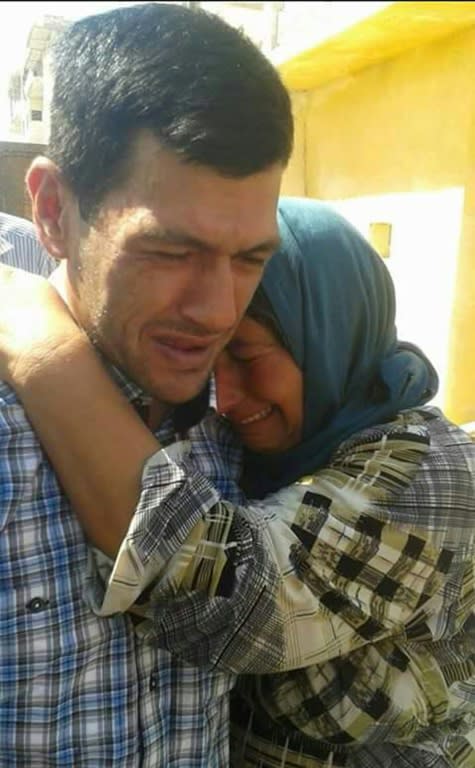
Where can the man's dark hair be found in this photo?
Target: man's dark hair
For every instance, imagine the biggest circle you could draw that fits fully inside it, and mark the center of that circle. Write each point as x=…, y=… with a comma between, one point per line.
x=201, y=87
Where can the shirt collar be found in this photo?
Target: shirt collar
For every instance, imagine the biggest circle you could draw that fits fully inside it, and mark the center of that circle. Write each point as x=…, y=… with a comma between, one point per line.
x=129, y=388
x=166, y=433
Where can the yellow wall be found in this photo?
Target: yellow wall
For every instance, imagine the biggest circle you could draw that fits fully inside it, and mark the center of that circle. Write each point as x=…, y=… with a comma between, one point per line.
x=294, y=177
x=461, y=373
x=401, y=136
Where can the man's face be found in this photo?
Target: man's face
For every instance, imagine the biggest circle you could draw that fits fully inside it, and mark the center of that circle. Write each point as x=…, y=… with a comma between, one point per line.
x=165, y=271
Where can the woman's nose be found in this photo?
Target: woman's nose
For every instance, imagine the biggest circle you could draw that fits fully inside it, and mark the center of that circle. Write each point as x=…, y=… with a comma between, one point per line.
x=229, y=383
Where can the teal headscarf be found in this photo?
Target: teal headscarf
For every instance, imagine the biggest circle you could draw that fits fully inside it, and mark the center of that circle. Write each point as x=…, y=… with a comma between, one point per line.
x=333, y=300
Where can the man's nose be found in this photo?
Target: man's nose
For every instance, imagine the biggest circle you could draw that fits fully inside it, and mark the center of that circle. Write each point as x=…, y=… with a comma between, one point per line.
x=212, y=298
x=230, y=389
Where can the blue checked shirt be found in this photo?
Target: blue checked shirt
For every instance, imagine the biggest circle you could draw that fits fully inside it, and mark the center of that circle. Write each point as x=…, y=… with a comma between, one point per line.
x=78, y=690
x=19, y=246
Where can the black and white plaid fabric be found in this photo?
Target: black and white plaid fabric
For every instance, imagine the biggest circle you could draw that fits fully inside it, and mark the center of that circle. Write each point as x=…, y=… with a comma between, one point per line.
x=359, y=578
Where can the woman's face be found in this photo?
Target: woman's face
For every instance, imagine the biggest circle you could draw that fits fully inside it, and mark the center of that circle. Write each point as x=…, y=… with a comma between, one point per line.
x=260, y=389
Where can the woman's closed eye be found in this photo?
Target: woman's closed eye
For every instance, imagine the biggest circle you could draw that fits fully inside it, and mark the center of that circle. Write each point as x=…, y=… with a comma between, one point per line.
x=248, y=355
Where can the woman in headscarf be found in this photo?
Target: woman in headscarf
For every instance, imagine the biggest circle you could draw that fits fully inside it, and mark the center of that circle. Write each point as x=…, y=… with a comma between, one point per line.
x=352, y=567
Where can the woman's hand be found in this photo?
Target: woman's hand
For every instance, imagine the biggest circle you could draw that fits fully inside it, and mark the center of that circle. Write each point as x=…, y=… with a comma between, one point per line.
x=34, y=323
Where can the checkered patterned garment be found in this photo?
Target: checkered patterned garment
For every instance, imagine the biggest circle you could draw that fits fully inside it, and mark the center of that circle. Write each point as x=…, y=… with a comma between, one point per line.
x=77, y=690
x=360, y=579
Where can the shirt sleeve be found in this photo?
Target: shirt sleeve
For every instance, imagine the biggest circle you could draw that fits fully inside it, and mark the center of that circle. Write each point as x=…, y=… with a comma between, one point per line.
x=309, y=574
x=382, y=690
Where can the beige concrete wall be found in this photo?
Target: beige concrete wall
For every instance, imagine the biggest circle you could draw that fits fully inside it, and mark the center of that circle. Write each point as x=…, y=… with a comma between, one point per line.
x=15, y=159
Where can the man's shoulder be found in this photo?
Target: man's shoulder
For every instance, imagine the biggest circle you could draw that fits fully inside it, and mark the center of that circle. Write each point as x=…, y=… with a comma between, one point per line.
x=8, y=396
x=12, y=413
x=30, y=490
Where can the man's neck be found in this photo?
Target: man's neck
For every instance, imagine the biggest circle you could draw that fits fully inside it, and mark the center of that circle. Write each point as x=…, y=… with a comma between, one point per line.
x=59, y=280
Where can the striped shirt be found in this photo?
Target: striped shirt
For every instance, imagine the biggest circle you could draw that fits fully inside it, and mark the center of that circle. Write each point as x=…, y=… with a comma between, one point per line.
x=78, y=690
x=19, y=246
x=360, y=578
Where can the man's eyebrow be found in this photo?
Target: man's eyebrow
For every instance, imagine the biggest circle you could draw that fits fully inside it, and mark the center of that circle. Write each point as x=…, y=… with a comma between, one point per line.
x=152, y=235
x=271, y=245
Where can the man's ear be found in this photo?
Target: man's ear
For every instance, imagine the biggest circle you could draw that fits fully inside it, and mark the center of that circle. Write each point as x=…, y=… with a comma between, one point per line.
x=51, y=205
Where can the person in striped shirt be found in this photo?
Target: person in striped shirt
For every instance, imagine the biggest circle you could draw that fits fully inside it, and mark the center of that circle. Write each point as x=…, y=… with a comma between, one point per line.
x=20, y=247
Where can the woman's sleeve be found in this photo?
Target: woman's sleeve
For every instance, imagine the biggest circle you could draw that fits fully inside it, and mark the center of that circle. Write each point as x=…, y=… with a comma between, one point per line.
x=386, y=690
x=309, y=574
